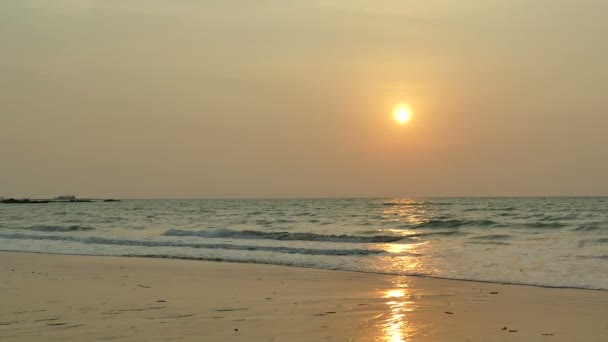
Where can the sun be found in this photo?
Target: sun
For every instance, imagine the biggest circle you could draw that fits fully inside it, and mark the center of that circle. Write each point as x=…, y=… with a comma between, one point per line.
x=402, y=113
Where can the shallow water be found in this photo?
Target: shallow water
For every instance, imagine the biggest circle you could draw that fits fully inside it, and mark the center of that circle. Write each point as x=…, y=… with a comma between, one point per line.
x=560, y=242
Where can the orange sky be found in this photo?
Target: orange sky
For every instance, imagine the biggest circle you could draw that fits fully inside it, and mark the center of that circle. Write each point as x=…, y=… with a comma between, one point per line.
x=236, y=98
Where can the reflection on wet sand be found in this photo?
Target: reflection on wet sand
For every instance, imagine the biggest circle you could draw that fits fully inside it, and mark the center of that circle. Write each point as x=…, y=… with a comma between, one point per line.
x=397, y=327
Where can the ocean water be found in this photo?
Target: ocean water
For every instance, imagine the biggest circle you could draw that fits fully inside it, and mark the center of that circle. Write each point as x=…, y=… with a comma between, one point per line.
x=559, y=242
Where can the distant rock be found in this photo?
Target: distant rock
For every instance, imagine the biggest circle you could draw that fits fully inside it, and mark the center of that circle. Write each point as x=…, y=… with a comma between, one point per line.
x=67, y=198
x=29, y=201
x=21, y=201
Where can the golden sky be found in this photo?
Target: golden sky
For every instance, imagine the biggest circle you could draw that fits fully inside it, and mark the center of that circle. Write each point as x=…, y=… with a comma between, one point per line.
x=274, y=98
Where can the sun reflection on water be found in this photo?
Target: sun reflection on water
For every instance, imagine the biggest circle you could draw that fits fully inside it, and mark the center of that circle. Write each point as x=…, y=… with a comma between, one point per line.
x=404, y=258
x=411, y=255
x=409, y=211
x=397, y=248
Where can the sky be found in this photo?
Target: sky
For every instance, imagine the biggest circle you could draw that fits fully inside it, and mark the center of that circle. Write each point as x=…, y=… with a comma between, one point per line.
x=274, y=98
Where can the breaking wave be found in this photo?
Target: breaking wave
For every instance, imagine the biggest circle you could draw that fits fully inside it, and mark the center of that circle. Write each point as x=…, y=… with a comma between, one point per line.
x=283, y=236
x=122, y=242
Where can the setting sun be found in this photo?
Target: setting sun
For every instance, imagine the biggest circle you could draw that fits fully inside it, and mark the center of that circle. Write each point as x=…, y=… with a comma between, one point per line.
x=402, y=114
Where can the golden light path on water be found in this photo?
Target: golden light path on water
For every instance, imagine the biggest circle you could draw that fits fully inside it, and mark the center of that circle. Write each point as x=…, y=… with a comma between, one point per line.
x=397, y=326
x=406, y=257
x=410, y=255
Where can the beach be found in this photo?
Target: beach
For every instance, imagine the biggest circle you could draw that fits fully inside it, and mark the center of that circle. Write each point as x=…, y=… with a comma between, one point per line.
x=87, y=298
x=387, y=171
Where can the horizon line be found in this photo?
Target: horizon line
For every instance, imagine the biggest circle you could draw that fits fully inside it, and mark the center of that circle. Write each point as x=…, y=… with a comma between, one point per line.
x=315, y=197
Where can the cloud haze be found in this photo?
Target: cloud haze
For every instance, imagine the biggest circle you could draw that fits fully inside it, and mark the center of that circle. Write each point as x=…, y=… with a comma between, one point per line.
x=183, y=99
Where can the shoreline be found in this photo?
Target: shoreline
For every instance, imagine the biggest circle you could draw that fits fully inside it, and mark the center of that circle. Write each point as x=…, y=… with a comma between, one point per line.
x=214, y=260
x=75, y=297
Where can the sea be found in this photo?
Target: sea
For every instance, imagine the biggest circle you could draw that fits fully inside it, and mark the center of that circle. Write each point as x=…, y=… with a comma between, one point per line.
x=553, y=242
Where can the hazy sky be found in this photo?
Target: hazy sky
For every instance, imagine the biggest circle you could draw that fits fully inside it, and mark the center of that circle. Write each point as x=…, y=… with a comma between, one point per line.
x=276, y=98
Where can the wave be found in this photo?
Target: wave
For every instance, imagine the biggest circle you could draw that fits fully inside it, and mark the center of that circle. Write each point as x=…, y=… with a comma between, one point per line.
x=506, y=214
x=45, y=228
x=544, y=225
x=587, y=227
x=283, y=236
x=560, y=218
x=304, y=263
x=405, y=204
x=415, y=203
x=456, y=223
x=305, y=214
x=491, y=209
x=441, y=233
x=583, y=243
x=425, y=234
x=492, y=237
x=148, y=243
x=503, y=209
x=496, y=243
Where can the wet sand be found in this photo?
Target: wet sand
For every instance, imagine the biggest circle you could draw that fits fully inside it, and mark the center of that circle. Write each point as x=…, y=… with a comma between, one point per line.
x=87, y=298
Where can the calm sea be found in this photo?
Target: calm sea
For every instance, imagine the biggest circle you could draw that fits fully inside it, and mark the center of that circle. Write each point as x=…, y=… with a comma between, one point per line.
x=560, y=242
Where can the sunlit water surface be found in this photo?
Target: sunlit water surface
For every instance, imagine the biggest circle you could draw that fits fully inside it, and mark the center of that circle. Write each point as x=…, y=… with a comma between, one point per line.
x=560, y=242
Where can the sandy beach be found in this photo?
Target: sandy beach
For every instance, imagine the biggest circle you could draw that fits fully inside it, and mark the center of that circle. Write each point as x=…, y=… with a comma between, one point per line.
x=89, y=298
